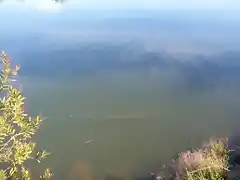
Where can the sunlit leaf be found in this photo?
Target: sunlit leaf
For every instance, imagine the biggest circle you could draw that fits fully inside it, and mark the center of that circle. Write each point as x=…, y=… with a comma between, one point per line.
x=16, y=127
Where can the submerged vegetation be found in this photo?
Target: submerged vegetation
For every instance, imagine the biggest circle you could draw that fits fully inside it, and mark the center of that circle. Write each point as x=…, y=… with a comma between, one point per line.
x=16, y=129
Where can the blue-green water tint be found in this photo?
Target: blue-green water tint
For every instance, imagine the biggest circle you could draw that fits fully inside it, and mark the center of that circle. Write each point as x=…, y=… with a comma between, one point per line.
x=134, y=121
x=158, y=82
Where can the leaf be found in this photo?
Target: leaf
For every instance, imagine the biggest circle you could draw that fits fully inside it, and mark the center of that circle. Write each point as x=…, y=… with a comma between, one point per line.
x=13, y=170
x=2, y=175
x=45, y=154
x=47, y=175
x=16, y=127
x=41, y=155
x=25, y=174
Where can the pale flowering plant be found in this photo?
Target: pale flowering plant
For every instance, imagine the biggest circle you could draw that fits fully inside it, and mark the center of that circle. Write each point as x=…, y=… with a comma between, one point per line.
x=207, y=163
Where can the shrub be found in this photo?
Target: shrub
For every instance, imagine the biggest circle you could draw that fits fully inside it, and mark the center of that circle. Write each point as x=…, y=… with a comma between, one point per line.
x=16, y=129
x=208, y=163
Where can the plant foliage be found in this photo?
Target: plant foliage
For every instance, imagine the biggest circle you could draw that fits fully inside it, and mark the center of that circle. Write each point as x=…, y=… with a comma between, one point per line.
x=208, y=163
x=16, y=129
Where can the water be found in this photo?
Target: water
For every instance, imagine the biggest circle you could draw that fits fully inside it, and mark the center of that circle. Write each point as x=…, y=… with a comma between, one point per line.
x=124, y=91
x=134, y=121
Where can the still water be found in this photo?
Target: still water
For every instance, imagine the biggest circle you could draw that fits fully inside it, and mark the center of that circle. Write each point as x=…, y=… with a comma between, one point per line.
x=124, y=123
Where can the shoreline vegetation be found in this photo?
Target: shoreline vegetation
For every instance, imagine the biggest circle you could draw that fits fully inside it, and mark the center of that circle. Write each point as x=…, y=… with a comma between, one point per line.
x=17, y=129
x=210, y=162
x=219, y=159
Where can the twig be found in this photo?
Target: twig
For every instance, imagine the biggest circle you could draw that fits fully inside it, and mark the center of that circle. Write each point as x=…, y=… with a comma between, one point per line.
x=13, y=137
x=208, y=167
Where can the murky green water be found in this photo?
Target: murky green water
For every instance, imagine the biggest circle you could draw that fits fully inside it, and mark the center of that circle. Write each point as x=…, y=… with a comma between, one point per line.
x=124, y=123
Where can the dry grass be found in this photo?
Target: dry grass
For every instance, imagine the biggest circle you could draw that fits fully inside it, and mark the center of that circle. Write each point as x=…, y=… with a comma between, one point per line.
x=208, y=163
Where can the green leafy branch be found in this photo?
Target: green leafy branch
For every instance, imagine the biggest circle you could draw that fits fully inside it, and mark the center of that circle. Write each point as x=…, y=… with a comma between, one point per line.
x=16, y=129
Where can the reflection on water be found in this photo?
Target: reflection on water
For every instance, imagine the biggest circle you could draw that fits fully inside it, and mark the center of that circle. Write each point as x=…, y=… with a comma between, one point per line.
x=132, y=124
x=140, y=85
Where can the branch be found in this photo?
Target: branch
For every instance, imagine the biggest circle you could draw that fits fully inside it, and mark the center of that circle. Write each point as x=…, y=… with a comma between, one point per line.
x=13, y=137
x=209, y=167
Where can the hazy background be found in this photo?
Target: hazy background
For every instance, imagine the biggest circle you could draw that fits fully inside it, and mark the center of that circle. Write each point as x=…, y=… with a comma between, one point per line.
x=141, y=80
